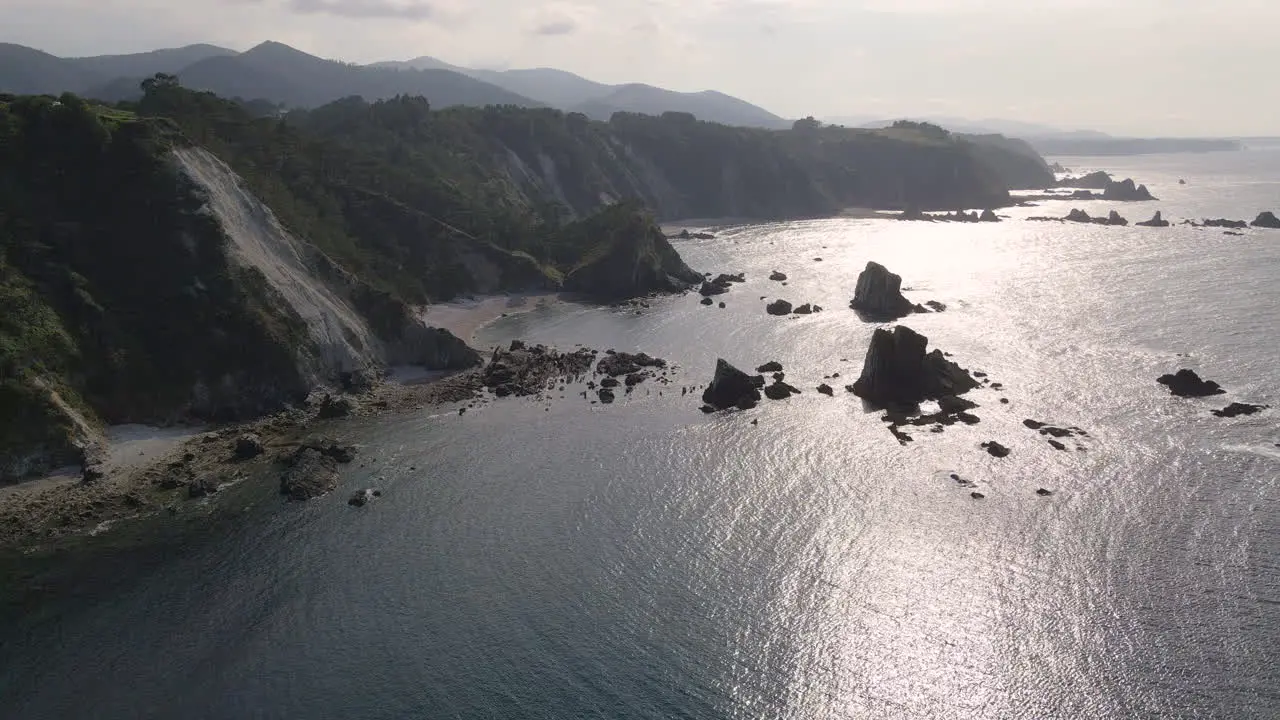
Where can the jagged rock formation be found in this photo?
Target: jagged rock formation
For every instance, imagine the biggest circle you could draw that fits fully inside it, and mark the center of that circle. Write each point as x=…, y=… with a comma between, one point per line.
x=730, y=387
x=1097, y=180
x=989, y=215
x=1267, y=219
x=312, y=470
x=1080, y=216
x=1223, y=223
x=1114, y=218
x=1126, y=191
x=1186, y=383
x=1236, y=409
x=878, y=294
x=1156, y=221
x=632, y=259
x=898, y=372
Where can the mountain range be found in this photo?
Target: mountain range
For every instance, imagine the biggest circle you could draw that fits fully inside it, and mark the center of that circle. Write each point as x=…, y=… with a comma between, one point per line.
x=289, y=77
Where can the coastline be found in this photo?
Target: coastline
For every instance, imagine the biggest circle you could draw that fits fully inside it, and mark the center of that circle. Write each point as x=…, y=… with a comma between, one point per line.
x=465, y=317
x=149, y=470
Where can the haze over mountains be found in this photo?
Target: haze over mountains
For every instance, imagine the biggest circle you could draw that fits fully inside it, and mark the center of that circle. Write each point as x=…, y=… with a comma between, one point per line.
x=290, y=77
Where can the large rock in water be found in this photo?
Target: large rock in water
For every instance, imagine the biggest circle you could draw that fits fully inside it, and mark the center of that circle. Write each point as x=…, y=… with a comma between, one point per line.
x=878, y=294
x=631, y=258
x=898, y=372
x=1267, y=219
x=1126, y=191
x=730, y=387
x=1186, y=383
x=1156, y=220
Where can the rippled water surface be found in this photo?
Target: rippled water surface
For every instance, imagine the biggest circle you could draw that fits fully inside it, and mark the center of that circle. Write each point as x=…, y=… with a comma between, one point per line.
x=642, y=560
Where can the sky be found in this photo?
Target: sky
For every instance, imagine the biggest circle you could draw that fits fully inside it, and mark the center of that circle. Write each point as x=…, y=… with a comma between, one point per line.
x=1134, y=67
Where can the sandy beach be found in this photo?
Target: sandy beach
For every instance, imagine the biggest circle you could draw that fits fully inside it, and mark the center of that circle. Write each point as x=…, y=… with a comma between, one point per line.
x=464, y=317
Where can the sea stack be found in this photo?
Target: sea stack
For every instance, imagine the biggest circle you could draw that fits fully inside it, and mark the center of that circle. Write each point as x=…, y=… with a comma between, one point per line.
x=730, y=387
x=897, y=371
x=1156, y=221
x=1268, y=220
x=878, y=295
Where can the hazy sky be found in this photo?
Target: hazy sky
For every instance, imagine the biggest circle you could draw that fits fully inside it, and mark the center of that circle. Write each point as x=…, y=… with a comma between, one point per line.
x=1174, y=67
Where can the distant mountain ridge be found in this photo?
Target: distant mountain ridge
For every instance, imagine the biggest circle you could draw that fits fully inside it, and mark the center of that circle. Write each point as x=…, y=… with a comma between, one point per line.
x=574, y=93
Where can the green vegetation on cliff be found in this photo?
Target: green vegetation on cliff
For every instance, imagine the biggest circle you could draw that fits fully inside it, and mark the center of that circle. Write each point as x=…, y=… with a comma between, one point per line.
x=119, y=300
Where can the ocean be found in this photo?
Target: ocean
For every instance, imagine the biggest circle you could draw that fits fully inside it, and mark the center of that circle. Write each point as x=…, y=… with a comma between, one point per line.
x=563, y=559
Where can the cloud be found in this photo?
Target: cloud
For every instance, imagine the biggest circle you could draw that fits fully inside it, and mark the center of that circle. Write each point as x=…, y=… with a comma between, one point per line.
x=556, y=27
x=365, y=9
x=559, y=18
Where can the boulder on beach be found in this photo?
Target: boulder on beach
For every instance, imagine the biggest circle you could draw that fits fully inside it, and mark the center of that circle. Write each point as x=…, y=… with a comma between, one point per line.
x=898, y=372
x=1186, y=383
x=878, y=294
x=248, y=446
x=730, y=387
x=1268, y=220
x=1156, y=221
x=778, y=307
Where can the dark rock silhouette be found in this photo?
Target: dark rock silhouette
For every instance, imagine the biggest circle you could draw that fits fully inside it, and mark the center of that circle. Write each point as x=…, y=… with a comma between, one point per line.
x=1268, y=220
x=996, y=449
x=897, y=372
x=730, y=387
x=806, y=309
x=1043, y=492
x=1126, y=191
x=826, y=389
x=1236, y=409
x=989, y=215
x=1078, y=215
x=1115, y=219
x=772, y=366
x=778, y=276
x=1186, y=383
x=780, y=390
x=248, y=446
x=708, y=301
x=1224, y=223
x=1156, y=221
x=1098, y=180
x=312, y=470
x=878, y=294
x=778, y=307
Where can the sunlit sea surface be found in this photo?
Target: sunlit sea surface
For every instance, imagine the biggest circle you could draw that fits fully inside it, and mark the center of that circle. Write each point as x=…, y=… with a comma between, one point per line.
x=642, y=560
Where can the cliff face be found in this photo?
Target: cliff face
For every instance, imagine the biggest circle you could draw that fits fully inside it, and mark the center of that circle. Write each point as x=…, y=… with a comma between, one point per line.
x=146, y=284
x=680, y=167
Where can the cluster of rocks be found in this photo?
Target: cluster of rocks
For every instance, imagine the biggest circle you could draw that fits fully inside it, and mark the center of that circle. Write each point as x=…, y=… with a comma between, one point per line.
x=1266, y=220
x=781, y=307
x=1120, y=191
x=632, y=368
x=720, y=284
x=914, y=214
x=1186, y=383
x=312, y=469
x=878, y=296
x=1080, y=216
x=522, y=371
x=686, y=235
x=734, y=388
x=1055, y=435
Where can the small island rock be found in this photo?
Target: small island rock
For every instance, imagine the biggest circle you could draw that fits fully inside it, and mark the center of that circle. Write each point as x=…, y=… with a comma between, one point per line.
x=898, y=372
x=778, y=307
x=1268, y=220
x=1156, y=221
x=730, y=387
x=1186, y=383
x=878, y=294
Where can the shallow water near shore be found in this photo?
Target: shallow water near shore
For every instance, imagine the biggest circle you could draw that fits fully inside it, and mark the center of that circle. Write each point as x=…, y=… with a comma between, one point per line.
x=641, y=560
